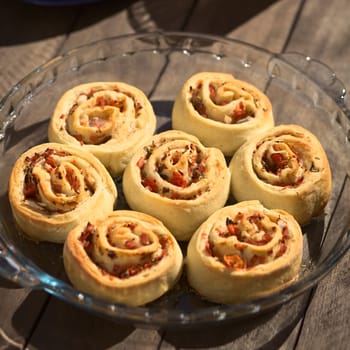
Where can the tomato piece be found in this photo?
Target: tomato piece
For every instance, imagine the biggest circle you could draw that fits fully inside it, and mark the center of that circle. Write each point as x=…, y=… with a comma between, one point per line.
x=100, y=101
x=72, y=179
x=178, y=179
x=212, y=92
x=257, y=260
x=282, y=250
x=145, y=239
x=150, y=184
x=30, y=190
x=277, y=158
x=234, y=261
x=51, y=161
x=240, y=246
x=141, y=162
x=130, y=244
x=239, y=111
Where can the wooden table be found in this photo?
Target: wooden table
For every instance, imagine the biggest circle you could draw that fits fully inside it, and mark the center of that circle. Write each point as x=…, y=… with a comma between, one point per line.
x=31, y=35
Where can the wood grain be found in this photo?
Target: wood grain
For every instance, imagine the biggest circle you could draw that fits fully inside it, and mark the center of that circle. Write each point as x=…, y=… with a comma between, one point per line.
x=324, y=38
x=29, y=37
x=33, y=34
x=322, y=32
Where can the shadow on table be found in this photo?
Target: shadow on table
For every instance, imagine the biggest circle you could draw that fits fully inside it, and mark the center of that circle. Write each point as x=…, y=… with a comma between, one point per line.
x=4, y=283
x=64, y=326
x=220, y=16
x=32, y=22
x=266, y=331
x=59, y=325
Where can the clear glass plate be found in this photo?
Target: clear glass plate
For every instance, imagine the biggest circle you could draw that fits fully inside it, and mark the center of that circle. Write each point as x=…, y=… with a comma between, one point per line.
x=302, y=90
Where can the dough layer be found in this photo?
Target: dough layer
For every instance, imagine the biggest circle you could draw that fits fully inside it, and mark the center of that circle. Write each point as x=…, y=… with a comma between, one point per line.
x=109, y=119
x=54, y=186
x=222, y=111
x=243, y=252
x=175, y=178
x=285, y=167
x=125, y=257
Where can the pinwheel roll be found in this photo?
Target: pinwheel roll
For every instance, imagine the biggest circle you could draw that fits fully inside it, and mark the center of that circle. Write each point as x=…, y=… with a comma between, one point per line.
x=108, y=119
x=243, y=252
x=178, y=180
x=126, y=257
x=285, y=167
x=53, y=187
x=222, y=111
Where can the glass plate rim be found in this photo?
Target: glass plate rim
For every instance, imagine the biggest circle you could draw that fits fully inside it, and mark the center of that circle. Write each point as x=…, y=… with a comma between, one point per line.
x=26, y=273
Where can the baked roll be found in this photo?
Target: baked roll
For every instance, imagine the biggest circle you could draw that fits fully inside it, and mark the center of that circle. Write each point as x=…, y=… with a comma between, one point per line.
x=177, y=180
x=125, y=257
x=243, y=252
x=52, y=187
x=108, y=119
x=222, y=111
x=285, y=167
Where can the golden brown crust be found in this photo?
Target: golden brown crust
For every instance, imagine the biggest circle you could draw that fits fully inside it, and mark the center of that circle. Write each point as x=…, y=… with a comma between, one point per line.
x=222, y=111
x=248, y=250
x=178, y=180
x=54, y=186
x=109, y=119
x=126, y=257
x=285, y=167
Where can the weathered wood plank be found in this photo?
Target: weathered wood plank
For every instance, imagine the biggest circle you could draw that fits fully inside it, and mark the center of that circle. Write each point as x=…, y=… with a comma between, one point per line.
x=263, y=28
x=72, y=325
x=328, y=316
x=31, y=35
x=150, y=15
x=271, y=330
x=70, y=329
x=82, y=33
x=66, y=327
x=322, y=32
x=19, y=310
x=124, y=17
x=264, y=23
x=98, y=21
x=316, y=33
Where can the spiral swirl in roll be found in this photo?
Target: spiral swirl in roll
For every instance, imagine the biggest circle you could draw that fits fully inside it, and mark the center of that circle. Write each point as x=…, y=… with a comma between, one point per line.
x=108, y=119
x=222, y=111
x=53, y=186
x=285, y=167
x=178, y=180
x=243, y=252
x=125, y=257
